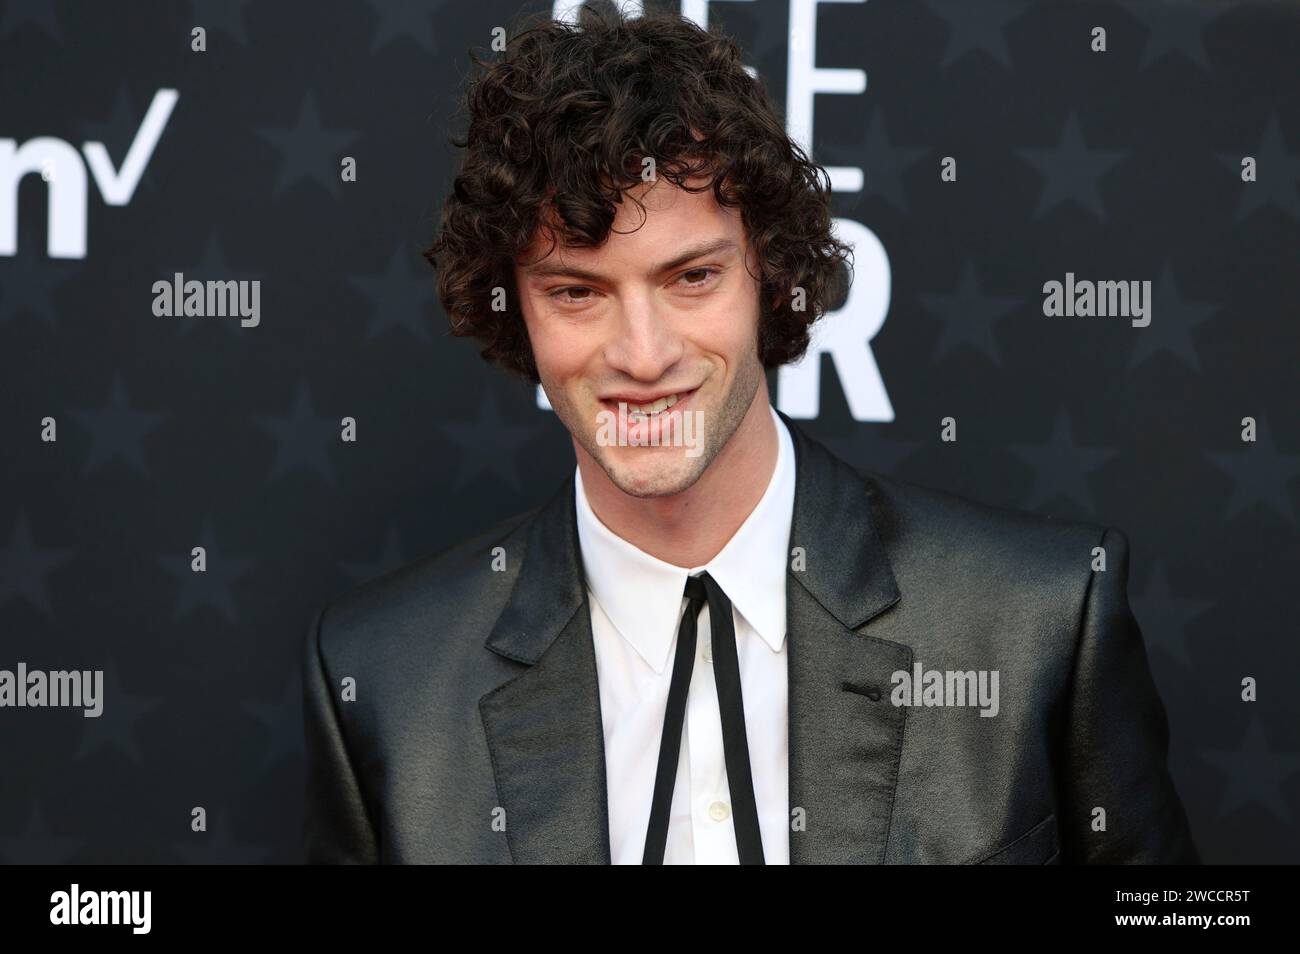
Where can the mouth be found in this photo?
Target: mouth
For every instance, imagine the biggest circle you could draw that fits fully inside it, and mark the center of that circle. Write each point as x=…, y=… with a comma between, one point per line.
x=651, y=408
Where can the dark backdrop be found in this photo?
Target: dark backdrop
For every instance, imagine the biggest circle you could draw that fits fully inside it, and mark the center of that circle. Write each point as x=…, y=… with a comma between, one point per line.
x=182, y=432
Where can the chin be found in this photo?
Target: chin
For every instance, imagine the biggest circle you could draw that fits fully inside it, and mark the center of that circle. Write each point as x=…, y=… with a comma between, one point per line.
x=653, y=475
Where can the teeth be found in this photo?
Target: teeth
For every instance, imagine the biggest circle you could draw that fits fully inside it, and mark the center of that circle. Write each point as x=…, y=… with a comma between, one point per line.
x=654, y=407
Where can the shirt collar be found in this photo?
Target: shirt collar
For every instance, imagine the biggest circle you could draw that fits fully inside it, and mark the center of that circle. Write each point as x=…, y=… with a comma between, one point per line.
x=642, y=595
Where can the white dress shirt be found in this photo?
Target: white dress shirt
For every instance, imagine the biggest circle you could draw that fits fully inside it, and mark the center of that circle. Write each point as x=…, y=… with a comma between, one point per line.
x=637, y=602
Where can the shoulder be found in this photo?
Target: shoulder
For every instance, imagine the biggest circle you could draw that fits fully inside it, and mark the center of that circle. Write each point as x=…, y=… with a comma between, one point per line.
x=1015, y=577
x=966, y=539
x=920, y=523
x=430, y=601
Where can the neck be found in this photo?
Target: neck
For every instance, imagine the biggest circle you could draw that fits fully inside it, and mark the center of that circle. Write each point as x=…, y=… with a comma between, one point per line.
x=690, y=528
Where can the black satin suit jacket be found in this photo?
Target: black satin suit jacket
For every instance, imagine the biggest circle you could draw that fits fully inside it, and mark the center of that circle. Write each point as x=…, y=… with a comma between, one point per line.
x=474, y=732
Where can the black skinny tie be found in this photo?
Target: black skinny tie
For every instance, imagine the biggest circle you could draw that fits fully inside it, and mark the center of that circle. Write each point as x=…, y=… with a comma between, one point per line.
x=726, y=665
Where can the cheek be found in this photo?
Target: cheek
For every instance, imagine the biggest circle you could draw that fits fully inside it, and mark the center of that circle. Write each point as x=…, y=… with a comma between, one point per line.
x=560, y=348
x=730, y=329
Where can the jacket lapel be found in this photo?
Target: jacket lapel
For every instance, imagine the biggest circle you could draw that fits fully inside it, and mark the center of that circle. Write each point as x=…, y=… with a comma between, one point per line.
x=543, y=727
x=845, y=735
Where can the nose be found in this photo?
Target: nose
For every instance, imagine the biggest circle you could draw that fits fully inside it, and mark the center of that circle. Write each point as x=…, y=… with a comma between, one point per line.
x=644, y=343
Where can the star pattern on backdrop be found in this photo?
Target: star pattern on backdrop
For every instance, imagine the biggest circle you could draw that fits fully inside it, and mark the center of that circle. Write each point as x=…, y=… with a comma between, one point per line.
x=1061, y=466
x=877, y=449
x=1164, y=617
x=970, y=317
x=37, y=844
x=1255, y=774
x=400, y=297
x=38, y=14
x=403, y=20
x=281, y=721
x=210, y=587
x=884, y=163
x=25, y=567
x=486, y=444
x=217, y=845
x=977, y=27
x=117, y=430
x=117, y=727
x=308, y=150
x=1261, y=474
x=28, y=283
x=1071, y=170
x=302, y=437
x=1125, y=165
x=221, y=16
x=1277, y=174
x=1172, y=30
x=1172, y=332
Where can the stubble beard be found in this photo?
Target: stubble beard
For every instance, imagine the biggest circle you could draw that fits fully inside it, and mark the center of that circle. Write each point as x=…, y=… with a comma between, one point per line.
x=674, y=471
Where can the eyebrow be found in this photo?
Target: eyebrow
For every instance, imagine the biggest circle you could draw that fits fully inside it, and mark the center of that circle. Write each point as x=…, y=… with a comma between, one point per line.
x=556, y=269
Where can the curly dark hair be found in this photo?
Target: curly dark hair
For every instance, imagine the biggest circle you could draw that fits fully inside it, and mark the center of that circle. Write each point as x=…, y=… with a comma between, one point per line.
x=558, y=126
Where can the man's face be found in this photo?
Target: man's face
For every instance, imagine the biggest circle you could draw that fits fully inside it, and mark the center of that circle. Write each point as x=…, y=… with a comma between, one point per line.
x=664, y=309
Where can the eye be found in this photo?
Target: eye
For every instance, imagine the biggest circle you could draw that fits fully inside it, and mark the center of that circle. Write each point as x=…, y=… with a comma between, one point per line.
x=703, y=276
x=708, y=276
x=562, y=294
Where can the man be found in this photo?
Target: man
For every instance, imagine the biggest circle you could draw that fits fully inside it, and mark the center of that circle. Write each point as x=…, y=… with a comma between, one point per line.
x=716, y=643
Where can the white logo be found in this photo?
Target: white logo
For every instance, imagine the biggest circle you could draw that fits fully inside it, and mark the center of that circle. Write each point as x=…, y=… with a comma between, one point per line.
x=60, y=165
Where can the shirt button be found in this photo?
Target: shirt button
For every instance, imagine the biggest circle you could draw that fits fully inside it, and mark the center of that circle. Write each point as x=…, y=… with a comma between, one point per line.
x=719, y=811
x=706, y=653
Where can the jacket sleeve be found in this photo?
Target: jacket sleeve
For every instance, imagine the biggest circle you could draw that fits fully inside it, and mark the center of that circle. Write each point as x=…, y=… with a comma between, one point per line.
x=1117, y=737
x=337, y=828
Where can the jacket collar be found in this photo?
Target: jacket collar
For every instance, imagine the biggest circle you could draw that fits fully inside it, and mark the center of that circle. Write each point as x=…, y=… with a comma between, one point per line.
x=544, y=726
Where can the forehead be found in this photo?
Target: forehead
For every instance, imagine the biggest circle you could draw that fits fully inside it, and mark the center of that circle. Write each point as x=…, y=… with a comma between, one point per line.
x=668, y=219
